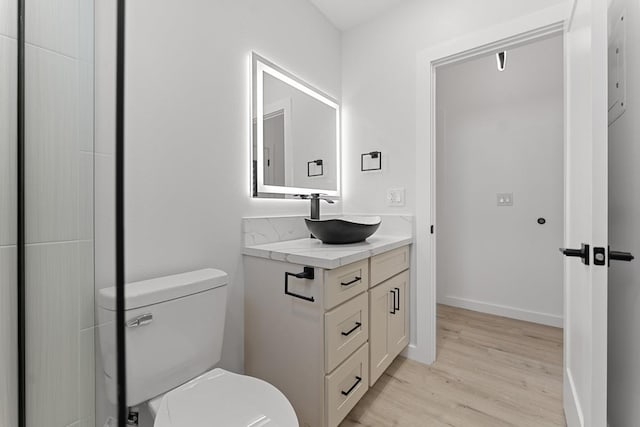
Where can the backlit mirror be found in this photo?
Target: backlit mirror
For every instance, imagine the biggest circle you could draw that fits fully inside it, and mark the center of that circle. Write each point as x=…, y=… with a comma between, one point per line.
x=295, y=135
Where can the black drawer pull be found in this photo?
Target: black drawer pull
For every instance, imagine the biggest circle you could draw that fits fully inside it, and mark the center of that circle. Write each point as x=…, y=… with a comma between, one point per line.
x=346, y=334
x=398, y=307
x=351, y=282
x=348, y=392
x=393, y=304
x=308, y=273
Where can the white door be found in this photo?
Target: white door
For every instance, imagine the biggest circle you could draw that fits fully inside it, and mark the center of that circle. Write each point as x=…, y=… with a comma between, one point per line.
x=585, y=332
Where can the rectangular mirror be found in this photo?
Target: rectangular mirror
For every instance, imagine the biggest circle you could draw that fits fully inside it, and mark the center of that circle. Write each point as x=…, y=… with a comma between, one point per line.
x=295, y=135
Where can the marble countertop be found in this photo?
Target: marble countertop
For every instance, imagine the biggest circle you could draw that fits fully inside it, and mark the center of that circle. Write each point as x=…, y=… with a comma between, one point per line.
x=314, y=253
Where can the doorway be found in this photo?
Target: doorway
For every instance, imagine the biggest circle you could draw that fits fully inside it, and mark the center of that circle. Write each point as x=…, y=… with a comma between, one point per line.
x=499, y=196
x=498, y=199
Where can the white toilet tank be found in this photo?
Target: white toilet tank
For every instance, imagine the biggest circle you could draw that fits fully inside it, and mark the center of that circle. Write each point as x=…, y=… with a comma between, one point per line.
x=175, y=326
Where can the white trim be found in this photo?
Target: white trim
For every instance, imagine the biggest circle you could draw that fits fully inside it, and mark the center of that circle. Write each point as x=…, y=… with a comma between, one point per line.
x=572, y=14
x=523, y=29
x=503, y=310
x=262, y=68
x=572, y=411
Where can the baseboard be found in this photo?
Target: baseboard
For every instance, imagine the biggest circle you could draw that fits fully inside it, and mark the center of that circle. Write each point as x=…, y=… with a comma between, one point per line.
x=503, y=310
x=416, y=354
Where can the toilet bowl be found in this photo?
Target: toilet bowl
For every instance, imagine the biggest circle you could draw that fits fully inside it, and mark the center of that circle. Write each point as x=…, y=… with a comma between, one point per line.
x=222, y=398
x=174, y=333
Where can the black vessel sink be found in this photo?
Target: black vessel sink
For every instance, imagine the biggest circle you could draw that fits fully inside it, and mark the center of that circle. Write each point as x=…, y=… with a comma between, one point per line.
x=340, y=231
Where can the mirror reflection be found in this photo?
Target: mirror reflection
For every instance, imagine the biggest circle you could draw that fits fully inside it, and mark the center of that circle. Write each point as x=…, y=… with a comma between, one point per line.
x=296, y=142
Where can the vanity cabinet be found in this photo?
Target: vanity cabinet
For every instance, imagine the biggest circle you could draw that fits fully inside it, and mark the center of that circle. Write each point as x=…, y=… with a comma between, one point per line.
x=389, y=323
x=324, y=335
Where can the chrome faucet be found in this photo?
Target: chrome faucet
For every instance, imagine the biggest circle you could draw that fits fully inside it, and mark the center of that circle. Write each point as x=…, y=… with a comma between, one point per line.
x=315, y=203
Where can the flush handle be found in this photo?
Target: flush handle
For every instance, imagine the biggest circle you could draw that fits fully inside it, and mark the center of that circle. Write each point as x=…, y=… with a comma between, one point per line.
x=141, y=320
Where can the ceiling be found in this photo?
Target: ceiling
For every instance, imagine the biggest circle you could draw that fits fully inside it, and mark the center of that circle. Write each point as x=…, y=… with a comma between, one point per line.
x=347, y=14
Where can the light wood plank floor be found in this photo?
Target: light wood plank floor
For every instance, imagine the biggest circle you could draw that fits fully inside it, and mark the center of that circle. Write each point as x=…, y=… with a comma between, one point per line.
x=490, y=371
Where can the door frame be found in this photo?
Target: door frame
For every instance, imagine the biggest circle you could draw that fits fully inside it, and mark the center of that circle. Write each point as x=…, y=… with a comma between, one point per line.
x=544, y=23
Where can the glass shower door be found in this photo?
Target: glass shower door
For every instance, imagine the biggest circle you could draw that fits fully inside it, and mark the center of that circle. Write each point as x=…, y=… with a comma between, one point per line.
x=8, y=211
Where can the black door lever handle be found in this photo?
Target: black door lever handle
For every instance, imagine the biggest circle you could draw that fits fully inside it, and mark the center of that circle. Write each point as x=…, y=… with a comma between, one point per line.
x=583, y=253
x=620, y=256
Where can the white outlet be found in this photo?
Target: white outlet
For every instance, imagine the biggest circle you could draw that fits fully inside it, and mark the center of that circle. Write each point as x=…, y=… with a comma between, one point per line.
x=504, y=199
x=395, y=197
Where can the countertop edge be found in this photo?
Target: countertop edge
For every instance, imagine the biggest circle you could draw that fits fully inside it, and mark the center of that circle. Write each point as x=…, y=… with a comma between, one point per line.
x=309, y=259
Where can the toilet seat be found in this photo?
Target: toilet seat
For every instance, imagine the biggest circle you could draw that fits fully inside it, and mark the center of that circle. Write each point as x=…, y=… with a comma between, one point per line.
x=221, y=398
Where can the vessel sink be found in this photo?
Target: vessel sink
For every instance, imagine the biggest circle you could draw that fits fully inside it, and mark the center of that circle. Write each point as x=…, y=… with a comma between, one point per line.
x=344, y=230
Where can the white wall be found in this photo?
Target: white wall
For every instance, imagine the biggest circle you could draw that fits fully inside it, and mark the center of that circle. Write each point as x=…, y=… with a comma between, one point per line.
x=379, y=88
x=187, y=130
x=624, y=235
x=502, y=132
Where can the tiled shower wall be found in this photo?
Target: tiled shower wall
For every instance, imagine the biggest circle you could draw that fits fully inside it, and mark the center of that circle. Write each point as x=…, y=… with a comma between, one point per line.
x=59, y=213
x=59, y=208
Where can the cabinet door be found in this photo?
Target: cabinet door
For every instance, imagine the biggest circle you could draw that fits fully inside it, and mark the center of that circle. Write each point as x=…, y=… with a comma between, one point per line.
x=380, y=307
x=399, y=317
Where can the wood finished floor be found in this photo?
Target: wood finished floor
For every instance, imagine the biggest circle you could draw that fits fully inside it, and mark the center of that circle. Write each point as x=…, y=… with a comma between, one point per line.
x=490, y=371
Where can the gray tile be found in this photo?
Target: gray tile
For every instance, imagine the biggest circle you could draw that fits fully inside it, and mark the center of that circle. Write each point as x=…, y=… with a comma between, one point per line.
x=88, y=422
x=86, y=285
x=104, y=220
x=53, y=25
x=85, y=30
x=8, y=138
x=8, y=337
x=51, y=132
x=85, y=196
x=105, y=408
x=105, y=76
x=52, y=334
x=86, y=377
x=8, y=18
x=86, y=105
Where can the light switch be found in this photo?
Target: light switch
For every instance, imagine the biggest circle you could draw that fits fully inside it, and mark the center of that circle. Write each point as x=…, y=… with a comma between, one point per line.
x=505, y=199
x=395, y=197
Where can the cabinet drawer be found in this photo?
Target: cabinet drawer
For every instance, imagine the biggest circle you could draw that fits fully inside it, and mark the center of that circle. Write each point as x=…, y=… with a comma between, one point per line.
x=346, y=328
x=346, y=386
x=343, y=283
x=389, y=264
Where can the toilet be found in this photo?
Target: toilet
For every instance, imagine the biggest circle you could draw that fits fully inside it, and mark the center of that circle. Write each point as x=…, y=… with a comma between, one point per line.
x=174, y=331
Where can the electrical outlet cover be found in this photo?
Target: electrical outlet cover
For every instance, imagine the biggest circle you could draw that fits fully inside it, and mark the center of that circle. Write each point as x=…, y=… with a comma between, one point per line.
x=395, y=197
x=504, y=199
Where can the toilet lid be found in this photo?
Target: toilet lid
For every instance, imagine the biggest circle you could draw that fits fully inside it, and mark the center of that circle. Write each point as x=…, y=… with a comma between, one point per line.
x=221, y=398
